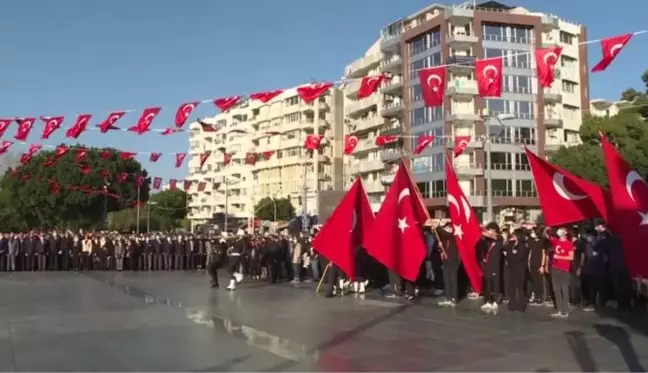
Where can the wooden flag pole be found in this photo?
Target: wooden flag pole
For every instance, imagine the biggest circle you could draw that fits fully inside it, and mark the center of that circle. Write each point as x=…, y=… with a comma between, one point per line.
x=319, y=284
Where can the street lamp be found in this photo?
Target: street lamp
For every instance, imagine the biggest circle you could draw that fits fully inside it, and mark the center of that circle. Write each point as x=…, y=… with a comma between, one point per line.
x=486, y=140
x=148, y=217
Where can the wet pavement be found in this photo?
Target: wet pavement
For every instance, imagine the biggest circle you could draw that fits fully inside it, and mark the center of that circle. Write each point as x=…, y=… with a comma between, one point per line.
x=173, y=321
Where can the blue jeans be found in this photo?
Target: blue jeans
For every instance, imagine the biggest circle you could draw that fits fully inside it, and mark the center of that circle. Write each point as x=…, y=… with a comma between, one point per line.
x=315, y=267
x=296, y=271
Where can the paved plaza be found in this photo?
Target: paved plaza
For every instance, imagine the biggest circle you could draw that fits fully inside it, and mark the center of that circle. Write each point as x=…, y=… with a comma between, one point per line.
x=104, y=321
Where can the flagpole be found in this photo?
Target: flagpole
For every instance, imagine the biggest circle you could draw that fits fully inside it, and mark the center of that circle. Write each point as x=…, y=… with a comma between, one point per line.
x=138, y=209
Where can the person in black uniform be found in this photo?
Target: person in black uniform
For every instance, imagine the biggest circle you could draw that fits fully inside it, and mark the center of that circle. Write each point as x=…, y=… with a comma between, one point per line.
x=158, y=253
x=272, y=259
x=28, y=252
x=537, y=257
x=66, y=249
x=39, y=245
x=451, y=262
x=236, y=251
x=517, y=261
x=332, y=279
x=54, y=242
x=167, y=252
x=215, y=258
x=491, y=264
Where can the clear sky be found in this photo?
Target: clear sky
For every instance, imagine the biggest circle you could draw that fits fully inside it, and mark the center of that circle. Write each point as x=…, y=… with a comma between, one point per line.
x=67, y=57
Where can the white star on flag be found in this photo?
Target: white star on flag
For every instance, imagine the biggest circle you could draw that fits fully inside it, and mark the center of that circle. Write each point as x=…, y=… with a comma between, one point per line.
x=458, y=231
x=644, y=217
x=402, y=224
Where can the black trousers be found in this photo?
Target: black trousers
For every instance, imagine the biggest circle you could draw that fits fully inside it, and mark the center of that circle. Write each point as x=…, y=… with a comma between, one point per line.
x=233, y=265
x=597, y=290
x=451, y=280
x=516, y=276
x=491, y=288
x=212, y=269
x=622, y=289
x=575, y=289
x=272, y=261
x=333, y=275
x=537, y=285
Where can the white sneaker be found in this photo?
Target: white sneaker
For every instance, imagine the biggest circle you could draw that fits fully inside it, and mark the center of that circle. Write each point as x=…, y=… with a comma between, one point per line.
x=556, y=314
x=473, y=295
x=238, y=277
x=361, y=288
x=486, y=307
x=444, y=303
x=494, y=306
x=453, y=303
x=356, y=287
x=232, y=285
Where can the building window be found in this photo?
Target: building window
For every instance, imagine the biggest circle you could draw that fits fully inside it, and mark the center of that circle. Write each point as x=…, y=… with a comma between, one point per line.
x=424, y=42
x=520, y=34
x=568, y=87
x=415, y=66
x=438, y=188
x=522, y=162
x=566, y=38
x=501, y=161
x=290, y=101
x=294, y=117
x=517, y=84
x=424, y=188
x=525, y=188
x=425, y=115
x=492, y=52
x=496, y=106
x=493, y=32
x=502, y=188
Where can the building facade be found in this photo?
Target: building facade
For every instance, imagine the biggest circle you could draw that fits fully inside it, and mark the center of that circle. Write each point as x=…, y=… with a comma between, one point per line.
x=540, y=118
x=276, y=132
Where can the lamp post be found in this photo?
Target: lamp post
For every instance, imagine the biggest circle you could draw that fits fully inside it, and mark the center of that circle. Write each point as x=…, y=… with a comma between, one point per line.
x=489, y=170
x=148, y=216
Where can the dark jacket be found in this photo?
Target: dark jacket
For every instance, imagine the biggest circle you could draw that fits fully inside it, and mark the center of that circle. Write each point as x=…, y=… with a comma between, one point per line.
x=492, y=256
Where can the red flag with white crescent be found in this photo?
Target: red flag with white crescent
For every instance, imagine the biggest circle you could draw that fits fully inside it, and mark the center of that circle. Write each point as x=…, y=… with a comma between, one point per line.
x=350, y=143
x=183, y=113
x=611, y=47
x=79, y=126
x=488, y=73
x=422, y=143
x=226, y=103
x=460, y=144
x=5, y=146
x=51, y=125
x=106, y=154
x=81, y=154
x=433, y=85
x=157, y=182
x=546, y=60
x=267, y=154
x=144, y=122
x=187, y=185
x=313, y=142
x=4, y=124
x=227, y=158
x=266, y=96
x=24, y=128
x=172, y=184
x=201, y=186
x=382, y=140
x=312, y=92
x=127, y=156
x=179, y=159
x=61, y=150
x=109, y=123
x=251, y=158
x=369, y=85
x=203, y=158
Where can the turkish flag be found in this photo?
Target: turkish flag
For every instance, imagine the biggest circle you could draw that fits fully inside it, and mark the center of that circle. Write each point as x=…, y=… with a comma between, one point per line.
x=226, y=103
x=369, y=85
x=51, y=125
x=350, y=143
x=79, y=126
x=312, y=92
x=24, y=127
x=267, y=154
x=422, y=143
x=460, y=144
x=139, y=180
x=629, y=209
x=183, y=113
x=206, y=127
x=170, y=131
x=187, y=185
x=345, y=229
x=4, y=124
x=227, y=158
x=201, y=186
x=144, y=122
x=546, y=60
x=157, y=182
x=382, y=140
x=106, y=154
x=179, y=159
x=433, y=84
x=60, y=151
x=203, y=158
x=49, y=162
x=266, y=96
x=250, y=158
x=396, y=239
x=465, y=227
x=172, y=184
x=105, y=174
x=127, y=156
x=85, y=169
x=610, y=48
x=564, y=197
x=155, y=156
x=122, y=177
x=313, y=142
x=81, y=154
x=489, y=77
x=109, y=123
x=5, y=146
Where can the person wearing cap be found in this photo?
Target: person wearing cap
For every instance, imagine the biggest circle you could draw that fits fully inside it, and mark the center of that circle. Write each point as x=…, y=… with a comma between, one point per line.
x=491, y=265
x=215, y=258
x=236, y=250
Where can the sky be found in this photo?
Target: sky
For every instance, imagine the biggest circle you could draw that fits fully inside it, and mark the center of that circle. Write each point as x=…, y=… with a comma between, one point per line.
x=69, y=57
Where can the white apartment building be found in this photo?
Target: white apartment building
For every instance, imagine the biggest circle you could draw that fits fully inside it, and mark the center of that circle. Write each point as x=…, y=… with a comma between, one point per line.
x=277, y=129
x=457, y=35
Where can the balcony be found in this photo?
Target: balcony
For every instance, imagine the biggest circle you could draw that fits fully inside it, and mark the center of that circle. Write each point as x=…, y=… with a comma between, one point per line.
x=461, y=41
x=553, y=121
x=469, y=169
x=395, y=128
x=459, y=16
x=388, y=178
x=366, y=145
x=393, y=85
x=366, y=124
x=370, y=166
x=552, y=96
x=548, y=42
x=390, y=44
x=473, y=144
x=463, y=119
x=353, y=88
x=323, y=106
x=550, y=22
x=373, y=187
x=462, y=89
x=362, y=106
x=461, y=65
x=390, y=155
x=392, y=109
x=391, y=65
x=362, y=65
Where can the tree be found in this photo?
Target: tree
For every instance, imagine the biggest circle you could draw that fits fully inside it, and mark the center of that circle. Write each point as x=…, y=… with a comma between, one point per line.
x=265, y=209
x=25, y=193
x=168, y=212
x=629, y=94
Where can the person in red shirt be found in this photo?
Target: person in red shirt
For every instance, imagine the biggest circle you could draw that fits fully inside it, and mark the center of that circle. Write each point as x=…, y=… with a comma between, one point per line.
x=562, y=254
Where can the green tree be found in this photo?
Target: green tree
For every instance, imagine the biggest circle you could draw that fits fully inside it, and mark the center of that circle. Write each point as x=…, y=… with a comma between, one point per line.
x=629, y=94
x=265, y=209
x=28, y=197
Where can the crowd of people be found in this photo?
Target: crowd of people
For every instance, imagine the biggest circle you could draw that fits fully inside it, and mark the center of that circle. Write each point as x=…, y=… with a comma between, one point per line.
x=561, y=268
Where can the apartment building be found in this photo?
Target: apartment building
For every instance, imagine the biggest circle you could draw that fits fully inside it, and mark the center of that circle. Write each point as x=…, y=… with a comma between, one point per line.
x=278, y=130
x=541, y=118
x=607, y=108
